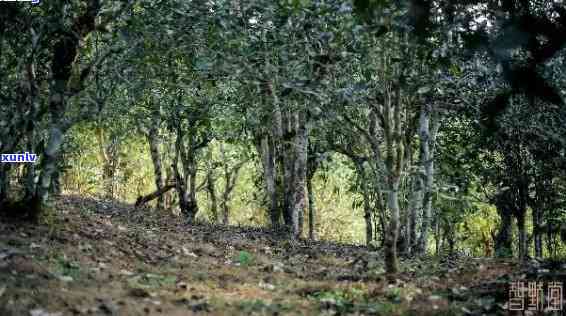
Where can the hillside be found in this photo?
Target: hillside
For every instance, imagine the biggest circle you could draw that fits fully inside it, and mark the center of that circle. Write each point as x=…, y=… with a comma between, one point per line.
x=103, y=258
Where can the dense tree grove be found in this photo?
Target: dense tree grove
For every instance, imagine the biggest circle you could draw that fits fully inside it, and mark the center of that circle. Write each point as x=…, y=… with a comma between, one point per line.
x=441, y=124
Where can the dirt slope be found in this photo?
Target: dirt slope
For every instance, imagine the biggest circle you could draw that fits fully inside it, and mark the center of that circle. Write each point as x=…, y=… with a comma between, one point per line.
x=104, y=258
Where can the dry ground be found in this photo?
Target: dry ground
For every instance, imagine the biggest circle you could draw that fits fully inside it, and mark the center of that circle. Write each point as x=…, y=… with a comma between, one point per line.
x=104, y=258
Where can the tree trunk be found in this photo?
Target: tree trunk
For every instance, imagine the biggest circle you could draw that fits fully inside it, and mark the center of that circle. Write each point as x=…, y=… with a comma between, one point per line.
x=299, y=199
x=415, y=205
x=289, y=156
x=522, y=232
x=225, y=212
x=65, y=49
x=537, y=231
x=186, y=182
x=503, y=245
x=312, y=214
x=366, y=202
x=108, y=151
x=191, y=208
x=368, y=218
x=154, y=144
x=542, y=187
x=210, y=188
x=391, y=264
x=269, y=175
x=427, y=135
x=437, y=237
x=230, y=177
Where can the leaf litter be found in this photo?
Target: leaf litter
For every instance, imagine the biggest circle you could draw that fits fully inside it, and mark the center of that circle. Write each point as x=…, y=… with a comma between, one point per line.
x=115, y=260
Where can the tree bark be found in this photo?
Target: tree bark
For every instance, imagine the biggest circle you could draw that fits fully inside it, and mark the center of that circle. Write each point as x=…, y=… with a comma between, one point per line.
x=289, y=155
x=427, y=134
x=415, y=205
x=269, y=175
x=154, y=144
x=522, y=232
x=363, y=182
x=108, y=149
x=537, y=232
x=231, y=174
x=503, y=246
x=211, y=189
x=298, y=190
x=391, y=264
x=312, y=208
x=186, y=182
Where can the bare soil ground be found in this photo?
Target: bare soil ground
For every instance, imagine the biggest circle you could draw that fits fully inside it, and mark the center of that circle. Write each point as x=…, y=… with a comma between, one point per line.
x=93, y=257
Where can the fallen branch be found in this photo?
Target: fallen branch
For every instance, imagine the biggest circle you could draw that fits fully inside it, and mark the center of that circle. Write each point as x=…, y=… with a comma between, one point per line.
x=154, y=195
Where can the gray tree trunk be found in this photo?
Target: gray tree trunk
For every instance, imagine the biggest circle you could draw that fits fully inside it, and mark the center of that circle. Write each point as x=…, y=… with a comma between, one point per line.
x=363, y=182
x=415, y=205
x=186, y=181
x=230, y=179
x=269, y=174
x=392, y=236
x=299, y=199
x=312, y=209
x=427, y=134
x=288, y=162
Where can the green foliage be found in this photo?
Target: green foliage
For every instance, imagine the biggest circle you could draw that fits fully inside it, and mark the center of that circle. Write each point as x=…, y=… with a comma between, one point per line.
x=475, y=230
x=66, y=268
x=244, y=258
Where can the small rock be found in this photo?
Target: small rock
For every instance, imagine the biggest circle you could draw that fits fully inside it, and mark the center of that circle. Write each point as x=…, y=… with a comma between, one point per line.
x=66, y=278
x=126, y=272
x=266, y=286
